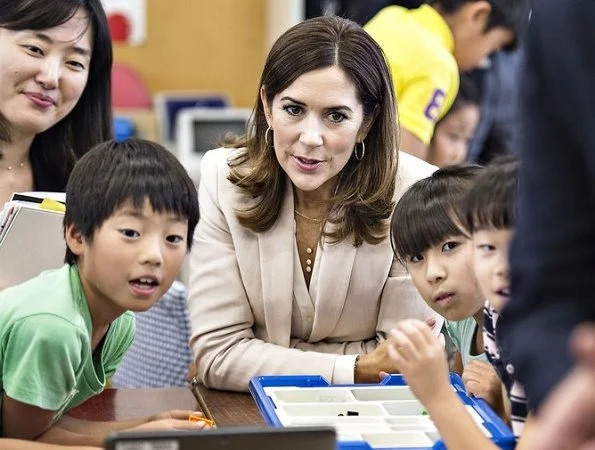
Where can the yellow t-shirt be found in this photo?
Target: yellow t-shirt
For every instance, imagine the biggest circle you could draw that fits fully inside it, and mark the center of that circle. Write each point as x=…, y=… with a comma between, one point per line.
x=419, y=46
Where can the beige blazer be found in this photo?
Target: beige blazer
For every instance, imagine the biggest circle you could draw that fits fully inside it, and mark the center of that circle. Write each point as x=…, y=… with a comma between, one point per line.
x=241, y=289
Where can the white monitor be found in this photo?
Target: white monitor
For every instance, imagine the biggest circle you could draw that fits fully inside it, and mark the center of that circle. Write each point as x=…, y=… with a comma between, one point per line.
x=168, y=104
x=202, y=129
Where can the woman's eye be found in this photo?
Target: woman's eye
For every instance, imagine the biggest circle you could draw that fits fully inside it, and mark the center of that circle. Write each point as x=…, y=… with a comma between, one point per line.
x=449, y=246
x=174, y=239
x=336, y=117
x=34, y=49
x=129, y=233
x=77, y=65
x=293, y=110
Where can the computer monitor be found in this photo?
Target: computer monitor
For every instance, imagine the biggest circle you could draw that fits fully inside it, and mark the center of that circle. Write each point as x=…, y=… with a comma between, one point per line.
x=202, y=129
x=168, y=105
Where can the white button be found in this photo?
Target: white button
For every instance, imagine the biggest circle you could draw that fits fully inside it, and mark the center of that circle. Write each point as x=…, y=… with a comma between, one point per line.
x=510, y=369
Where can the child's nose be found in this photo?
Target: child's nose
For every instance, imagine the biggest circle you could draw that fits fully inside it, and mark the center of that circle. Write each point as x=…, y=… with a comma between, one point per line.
x=434, y=270
x=152, y=252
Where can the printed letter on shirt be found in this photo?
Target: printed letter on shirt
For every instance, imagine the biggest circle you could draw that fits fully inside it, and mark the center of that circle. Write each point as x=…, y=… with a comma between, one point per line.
x=433, y=107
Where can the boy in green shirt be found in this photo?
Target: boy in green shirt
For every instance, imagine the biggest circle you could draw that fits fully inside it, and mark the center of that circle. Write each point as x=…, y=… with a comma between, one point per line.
x=131, y=212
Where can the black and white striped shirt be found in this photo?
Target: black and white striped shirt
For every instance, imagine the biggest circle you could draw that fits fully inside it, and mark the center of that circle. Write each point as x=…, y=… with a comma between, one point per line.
x=504, y=369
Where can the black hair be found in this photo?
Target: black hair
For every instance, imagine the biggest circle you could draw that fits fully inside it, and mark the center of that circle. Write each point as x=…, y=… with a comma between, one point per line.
x=133, y=170
x=54, y=151
x=491, y=201
x=429, y=210
x=468, y=94
x=510, y=14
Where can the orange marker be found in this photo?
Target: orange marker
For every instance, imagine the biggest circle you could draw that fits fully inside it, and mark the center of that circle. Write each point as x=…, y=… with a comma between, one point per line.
x=197, y=418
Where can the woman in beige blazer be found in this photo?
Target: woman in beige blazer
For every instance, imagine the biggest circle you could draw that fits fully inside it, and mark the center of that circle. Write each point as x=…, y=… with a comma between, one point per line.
x=292, y=271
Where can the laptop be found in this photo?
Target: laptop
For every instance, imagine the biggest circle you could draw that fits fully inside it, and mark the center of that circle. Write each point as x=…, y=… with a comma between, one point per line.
x=241, y=438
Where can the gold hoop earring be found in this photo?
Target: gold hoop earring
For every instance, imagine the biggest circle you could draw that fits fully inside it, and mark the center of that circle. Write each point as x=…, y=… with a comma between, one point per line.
x=359, y=156
x=266, y=136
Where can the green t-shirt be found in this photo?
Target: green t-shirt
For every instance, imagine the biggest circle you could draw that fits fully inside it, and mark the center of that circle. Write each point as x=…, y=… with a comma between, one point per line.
x=45, y=343
x=462, y=333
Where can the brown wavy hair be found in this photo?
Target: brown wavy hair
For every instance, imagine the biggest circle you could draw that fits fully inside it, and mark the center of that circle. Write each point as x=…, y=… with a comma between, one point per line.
x=363, y=199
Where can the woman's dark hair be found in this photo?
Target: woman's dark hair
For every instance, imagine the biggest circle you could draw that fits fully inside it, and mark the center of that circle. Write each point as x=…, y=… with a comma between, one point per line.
x=429, y=210
x=132, y=170
x=364, y=193
x=54, y=151
x=491, y=201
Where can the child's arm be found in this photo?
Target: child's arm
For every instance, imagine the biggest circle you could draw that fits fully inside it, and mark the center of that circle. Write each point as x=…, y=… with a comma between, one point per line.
x=172, y=419
x=29, y=422
x=16, y=444
x=413, y=145
x=421, y=358
x=69, y=430
x=481, y=380
x=23, y=421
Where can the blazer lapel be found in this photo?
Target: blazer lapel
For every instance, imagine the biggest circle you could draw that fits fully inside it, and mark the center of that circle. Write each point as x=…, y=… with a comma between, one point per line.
x=336, y=265
x=276, y=249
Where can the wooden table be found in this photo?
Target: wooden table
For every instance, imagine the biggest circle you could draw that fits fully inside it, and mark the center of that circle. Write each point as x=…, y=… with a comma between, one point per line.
x=228, y=408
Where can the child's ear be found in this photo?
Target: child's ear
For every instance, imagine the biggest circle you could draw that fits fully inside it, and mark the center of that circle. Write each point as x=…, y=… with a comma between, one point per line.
x=74, y=240
x=477, y=15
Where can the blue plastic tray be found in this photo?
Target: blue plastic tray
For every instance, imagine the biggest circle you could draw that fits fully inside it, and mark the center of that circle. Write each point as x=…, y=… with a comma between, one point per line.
x=500, y=433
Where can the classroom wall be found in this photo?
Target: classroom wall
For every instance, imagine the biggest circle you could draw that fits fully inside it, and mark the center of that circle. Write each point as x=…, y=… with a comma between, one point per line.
x=202, y=44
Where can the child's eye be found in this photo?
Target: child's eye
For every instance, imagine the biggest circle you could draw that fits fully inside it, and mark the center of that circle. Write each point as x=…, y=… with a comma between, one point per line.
x=129, y=232
x=486, y=247
x=416, y=258
x=449, y=246
x=293, y=110
x=174, y=239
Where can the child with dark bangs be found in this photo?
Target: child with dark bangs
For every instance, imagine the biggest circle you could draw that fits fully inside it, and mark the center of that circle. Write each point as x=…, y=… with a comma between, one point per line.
x=429, y=238
x=489, y=213
x=130, y=216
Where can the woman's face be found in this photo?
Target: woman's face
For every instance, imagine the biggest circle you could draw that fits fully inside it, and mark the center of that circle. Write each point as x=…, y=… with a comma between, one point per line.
x=43, y=74
x=316, y=123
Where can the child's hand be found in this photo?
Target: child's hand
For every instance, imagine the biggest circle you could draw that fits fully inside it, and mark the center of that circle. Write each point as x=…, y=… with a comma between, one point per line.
x=178, y=414
x=171, y=424
x=481, y=380
x=420, y=356
x=173, y=416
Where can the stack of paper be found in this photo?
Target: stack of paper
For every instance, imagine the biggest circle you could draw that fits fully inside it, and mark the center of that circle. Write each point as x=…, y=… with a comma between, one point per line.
x=31, y=236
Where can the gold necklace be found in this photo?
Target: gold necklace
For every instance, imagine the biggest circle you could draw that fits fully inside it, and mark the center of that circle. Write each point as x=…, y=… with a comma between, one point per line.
x=10, y=167
x=306, y=217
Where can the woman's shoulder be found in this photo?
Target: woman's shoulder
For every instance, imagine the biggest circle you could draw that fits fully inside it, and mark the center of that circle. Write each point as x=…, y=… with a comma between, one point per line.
x=220, y=157
x=216, y=162
x=411, y=169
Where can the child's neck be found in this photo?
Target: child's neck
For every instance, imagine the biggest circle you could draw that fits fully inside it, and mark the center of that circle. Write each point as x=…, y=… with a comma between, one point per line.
x=97, y=335
x=101, y=311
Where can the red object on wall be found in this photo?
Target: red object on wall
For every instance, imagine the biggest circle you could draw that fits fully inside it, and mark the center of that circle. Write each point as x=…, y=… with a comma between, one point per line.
x=119, y=26
x=129, y=89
